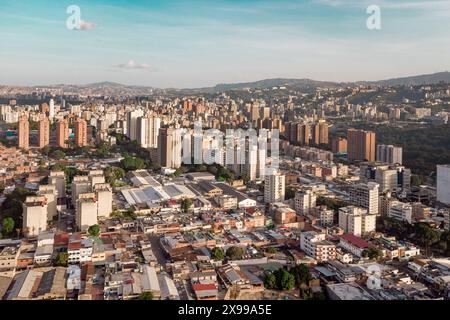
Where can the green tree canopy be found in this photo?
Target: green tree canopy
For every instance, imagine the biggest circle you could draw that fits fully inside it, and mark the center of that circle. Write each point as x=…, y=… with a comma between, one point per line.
x=94, y=230
x=61, y=259
x=270, y=282
x=146, y=296
x=8, y=226
x=186, y=204
x=235, y=253
x=217, y=253
x=302, y=274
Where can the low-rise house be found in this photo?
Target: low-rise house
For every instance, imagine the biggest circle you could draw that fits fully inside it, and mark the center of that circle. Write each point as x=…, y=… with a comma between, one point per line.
x=43, y=254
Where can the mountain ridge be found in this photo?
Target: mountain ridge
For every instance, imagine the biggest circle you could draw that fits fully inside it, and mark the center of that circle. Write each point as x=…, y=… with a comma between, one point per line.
x=300, y=83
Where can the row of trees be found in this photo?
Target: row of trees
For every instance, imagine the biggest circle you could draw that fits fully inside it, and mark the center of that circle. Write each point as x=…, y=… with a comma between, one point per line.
x=283, y=279
x=232, y=253
x=420, y=233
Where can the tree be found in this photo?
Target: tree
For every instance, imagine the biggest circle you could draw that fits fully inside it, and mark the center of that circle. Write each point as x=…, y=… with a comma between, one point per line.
x=132, y=163
x=94, y=230
x=235, y=253
x=425, y=235
x=61, y=259
x=186, y=204
x=285, y=280
x=290, y=193
x=217, y=253
x=146, y=296
x=272, y=250
x=114, y=173
x=270, y=282
x=8, y=226
x=58, y=154
x=372, y=253
x=302, y=274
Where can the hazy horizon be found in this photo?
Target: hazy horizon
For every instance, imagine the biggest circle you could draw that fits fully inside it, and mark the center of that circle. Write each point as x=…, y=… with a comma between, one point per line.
x=195, y=43
x=212, y=85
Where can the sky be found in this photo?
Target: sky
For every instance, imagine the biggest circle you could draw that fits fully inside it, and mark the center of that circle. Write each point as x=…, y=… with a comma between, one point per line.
x=199, y=43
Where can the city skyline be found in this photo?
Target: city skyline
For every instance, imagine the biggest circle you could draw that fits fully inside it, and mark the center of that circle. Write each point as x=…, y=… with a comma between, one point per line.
x=186, y=44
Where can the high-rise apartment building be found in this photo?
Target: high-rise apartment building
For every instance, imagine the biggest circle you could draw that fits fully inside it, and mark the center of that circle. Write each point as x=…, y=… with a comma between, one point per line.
x=23, y=133
x=104, y=197
x=356, y=221
x=274, y=187
x=361, y=145
x=365, y=195
x=81, y=139
x=169, y=146
x=320, y=133
x=62, y=133
x=43, y=132
x=305, y=201
x=389, y=154
x=86, y=211
x=148, y=131
x=58, y=179
x=443, y=184
x=51, y=109
x=339, y=145
x=132, y=119
x=34, y=215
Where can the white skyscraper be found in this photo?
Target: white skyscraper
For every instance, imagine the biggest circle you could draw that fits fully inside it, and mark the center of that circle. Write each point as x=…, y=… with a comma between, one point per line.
x=51, y=108
x=132, y=121
x=147, y=131
x=443, y=183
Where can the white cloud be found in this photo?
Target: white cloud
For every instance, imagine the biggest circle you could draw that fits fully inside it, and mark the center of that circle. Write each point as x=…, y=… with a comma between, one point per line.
x=131, y=64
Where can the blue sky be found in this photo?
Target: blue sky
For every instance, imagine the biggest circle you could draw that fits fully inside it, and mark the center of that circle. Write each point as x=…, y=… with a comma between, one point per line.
x=194, y=43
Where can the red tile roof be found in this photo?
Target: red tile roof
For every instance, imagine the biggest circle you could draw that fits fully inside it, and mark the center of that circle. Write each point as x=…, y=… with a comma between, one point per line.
x=203, y=286
x=356, y=241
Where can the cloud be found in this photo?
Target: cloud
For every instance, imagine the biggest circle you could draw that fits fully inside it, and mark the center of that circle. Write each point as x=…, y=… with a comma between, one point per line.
x=131, y=64
x=85, y=25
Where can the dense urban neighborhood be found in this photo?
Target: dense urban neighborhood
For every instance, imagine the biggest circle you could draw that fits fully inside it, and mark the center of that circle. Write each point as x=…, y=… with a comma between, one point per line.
x=276, y=190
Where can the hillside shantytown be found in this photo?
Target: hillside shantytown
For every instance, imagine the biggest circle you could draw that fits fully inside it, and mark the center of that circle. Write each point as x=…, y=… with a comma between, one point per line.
x=99, y=202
